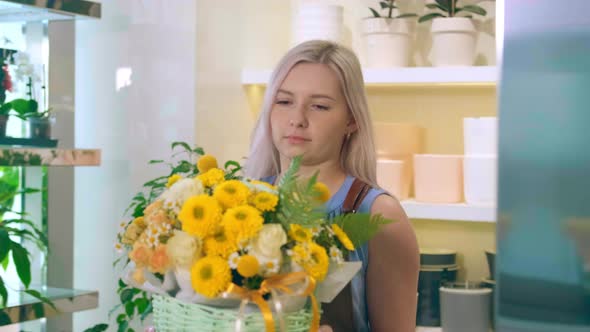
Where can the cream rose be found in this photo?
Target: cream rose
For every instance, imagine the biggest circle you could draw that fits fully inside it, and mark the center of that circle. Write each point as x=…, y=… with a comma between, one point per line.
x=267, y=247
x=183, y=249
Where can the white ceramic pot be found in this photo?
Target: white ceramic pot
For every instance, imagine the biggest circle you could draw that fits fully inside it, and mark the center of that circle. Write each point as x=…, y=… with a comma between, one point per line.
x=453, y=41
x=388, y=41
x=317, y=21
x=480, y=136
x=438, y=178
x=480, y=179
x=390, y=176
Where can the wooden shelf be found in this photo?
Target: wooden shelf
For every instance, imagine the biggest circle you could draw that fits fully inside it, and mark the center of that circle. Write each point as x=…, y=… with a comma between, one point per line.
x=23, y=307
x=480, y=75
x=48, y=157
x=460, y=211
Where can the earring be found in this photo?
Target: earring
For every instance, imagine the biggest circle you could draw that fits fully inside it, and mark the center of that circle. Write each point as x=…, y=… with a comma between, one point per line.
x=348, y=136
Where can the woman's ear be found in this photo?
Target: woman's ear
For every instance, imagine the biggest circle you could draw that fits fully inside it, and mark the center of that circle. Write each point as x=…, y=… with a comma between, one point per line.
x=351, y=126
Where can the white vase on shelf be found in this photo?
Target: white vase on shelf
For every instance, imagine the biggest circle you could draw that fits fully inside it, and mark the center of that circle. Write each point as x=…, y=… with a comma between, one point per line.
x=453, y=41
x=388, y=41
x=317, y=21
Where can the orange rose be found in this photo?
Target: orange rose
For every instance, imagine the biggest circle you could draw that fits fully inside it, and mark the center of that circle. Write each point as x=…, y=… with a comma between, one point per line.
x=140, y=254
x=159, y=261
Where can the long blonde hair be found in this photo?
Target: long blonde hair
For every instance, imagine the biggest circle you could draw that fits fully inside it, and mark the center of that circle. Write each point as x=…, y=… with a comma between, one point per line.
x=358, y=152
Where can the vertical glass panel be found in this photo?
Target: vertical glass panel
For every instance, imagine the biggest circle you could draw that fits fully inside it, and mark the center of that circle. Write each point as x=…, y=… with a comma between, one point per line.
x=544, y=174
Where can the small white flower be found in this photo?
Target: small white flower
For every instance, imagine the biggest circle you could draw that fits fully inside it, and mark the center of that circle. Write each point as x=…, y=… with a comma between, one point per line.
x=233, y=260
x=152, y=241
x=316, y=230
x=118, y=248
x=122, y=226
x=336, y=255
x=271, y=267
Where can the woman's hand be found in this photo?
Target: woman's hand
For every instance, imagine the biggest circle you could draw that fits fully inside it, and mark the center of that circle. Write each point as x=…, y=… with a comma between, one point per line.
x=325, y=328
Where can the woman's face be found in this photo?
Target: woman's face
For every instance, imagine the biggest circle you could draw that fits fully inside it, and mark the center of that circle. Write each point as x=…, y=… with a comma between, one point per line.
x=310, y=116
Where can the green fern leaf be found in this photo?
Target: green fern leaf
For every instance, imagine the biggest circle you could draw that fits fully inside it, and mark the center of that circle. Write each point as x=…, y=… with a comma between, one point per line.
x=360, y=227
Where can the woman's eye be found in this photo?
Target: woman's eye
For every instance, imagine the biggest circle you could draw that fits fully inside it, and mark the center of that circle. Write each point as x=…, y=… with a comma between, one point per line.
x=320, y=107
x=283, y=102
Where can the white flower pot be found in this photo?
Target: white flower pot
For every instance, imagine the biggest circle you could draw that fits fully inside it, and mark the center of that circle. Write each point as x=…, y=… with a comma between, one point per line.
x=317, y=21
x=480, y=179
x=387, y=42
x=480, y=136
x=453, y=41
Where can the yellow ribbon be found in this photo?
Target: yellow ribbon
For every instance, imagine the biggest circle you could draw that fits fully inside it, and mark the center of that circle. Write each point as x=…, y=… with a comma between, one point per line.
x=282, y=282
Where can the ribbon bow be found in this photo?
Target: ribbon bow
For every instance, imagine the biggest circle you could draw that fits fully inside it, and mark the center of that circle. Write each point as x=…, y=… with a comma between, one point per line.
x=283, y=283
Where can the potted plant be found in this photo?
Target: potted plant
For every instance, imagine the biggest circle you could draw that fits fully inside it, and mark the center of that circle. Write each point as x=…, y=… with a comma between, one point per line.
x=387, y=37
x=39, y=123
x=453, y=32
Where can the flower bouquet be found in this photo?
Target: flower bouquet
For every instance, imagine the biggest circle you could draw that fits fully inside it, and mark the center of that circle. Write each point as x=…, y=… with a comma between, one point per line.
x=220, y=252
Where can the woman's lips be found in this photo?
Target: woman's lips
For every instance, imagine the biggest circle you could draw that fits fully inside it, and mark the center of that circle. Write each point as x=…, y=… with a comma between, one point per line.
x=297, y=139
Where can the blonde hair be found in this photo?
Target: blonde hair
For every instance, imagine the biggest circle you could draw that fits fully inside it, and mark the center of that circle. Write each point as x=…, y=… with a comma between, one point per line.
x=358, y=152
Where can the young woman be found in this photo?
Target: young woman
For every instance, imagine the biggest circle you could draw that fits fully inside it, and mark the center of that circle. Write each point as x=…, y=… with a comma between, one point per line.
x=315, y=106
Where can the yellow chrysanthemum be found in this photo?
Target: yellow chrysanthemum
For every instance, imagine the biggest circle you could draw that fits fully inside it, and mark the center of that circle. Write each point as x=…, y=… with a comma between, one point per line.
x=210, y=276
x=221, y=243
x=231, y=193
x=200, y=215
x=244, y=221
x=172, y=180
x=206, y=163
x=212, y=177
x=248, y=266
x=264, y=201
x=322, y=192
x=299, y=234
x=341, y=235
x=301, y=253
x=317, y=266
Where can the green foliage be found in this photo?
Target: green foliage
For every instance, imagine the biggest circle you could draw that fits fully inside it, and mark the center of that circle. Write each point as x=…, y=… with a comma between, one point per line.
x=297, y=199
x=449, y=8
x=389, y=6
x=14, y=232
x=360, y=227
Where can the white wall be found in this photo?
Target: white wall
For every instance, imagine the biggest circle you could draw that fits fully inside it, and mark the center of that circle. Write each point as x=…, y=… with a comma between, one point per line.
x=131, y=118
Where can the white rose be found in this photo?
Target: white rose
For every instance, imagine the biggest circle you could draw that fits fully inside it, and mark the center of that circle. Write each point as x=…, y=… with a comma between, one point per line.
x=266, y=247
x=183, y=249
x=180, y=191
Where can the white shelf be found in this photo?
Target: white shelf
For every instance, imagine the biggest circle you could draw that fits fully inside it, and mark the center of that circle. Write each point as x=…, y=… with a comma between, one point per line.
x=409, y=75
x=460, y=211
x=428, y=329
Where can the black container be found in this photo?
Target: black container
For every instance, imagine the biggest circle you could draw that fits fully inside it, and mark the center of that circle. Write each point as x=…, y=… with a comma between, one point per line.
x=437, y=256
x=491, y=258
x=429, y=282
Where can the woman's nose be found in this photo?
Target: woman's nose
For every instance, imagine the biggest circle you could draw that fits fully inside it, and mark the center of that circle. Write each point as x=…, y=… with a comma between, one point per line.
x=298, y=117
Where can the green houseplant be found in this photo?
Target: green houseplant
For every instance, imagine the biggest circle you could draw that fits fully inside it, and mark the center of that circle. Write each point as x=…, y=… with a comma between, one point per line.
x=388, y=36
x=453, y=32
x=14, y=233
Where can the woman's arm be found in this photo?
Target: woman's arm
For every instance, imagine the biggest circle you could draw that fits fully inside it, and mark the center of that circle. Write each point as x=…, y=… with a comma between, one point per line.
x=392, y=276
